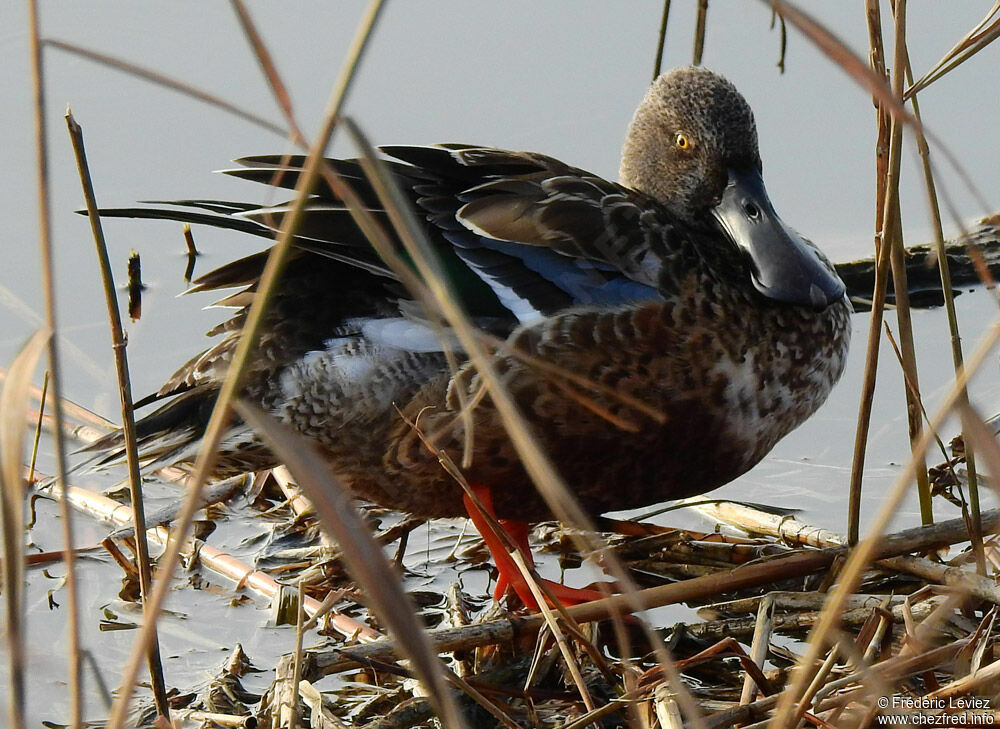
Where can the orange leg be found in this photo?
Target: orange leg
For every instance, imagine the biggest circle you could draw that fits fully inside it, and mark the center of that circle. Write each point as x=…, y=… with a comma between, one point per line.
x=510, y=575
x=518, y=532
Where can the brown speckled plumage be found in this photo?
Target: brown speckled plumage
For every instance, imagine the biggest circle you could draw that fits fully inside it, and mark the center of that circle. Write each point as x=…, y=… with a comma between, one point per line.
x=632, y=286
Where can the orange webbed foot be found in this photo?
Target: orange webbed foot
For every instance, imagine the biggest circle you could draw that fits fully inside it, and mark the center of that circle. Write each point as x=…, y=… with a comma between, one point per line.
x=509, y=573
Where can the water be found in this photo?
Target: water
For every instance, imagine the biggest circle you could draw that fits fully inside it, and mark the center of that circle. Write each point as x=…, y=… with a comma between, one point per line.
x=562, y=78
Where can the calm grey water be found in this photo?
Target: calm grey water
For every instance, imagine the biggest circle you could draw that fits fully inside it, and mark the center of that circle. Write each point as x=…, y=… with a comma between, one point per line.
x=562, y=78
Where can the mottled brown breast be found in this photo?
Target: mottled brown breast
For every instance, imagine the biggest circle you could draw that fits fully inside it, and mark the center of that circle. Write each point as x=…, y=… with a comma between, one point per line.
x=730, y=376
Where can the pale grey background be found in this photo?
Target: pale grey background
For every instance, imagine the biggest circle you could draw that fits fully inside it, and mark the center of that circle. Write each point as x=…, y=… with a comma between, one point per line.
x=558, y=77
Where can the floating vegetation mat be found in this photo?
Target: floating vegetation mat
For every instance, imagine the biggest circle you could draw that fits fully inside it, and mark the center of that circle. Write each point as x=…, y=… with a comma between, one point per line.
x=914, y=637
x=773, y=621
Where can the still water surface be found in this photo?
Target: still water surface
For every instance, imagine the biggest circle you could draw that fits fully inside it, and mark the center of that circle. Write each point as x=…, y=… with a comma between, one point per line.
x=562, y=78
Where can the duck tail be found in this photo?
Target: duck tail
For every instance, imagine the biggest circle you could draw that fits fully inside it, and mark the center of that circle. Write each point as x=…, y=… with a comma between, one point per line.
x=170, y=434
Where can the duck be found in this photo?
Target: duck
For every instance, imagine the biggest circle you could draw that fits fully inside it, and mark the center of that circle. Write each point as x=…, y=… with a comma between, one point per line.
x=678, y=287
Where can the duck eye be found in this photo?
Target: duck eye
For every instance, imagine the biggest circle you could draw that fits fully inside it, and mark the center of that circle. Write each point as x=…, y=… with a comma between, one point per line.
x=683, y=141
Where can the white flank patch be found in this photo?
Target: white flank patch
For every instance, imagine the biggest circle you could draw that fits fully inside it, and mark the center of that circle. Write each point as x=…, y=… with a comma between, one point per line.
x=516, y=305
x=404, y=334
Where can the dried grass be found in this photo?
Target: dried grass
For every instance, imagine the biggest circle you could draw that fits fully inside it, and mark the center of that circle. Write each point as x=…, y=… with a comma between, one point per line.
x=937, y=644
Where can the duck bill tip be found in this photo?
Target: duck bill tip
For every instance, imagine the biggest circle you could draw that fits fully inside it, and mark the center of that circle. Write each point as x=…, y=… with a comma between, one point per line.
x=784, y=266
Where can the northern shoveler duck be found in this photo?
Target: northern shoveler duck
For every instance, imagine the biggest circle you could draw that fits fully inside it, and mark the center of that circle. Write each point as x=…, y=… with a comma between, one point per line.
x=678, y=286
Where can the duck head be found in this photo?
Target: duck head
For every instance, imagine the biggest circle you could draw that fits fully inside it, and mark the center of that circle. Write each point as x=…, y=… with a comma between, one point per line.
x=692, y=145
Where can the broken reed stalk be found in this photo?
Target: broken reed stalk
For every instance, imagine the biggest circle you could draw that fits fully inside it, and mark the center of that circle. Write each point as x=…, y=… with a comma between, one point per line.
x=889, y=252
x=783, y=47
x=13, y=400
x=699, y=32
x=39, y=422
x=662, y=40
x=73, y=653
x=298, y=503
x=192, y=253
x=892, y=240
x=878, y=295
x=930, y=187
x=70, y=431
x=109, y=510
x=746, y=628
x=70, y=408
x=320, y=716
x=763, y=627
x=972, y=43
x=160, y=79
x=755, y=521
x=288, y=714
x=786, y=601
x=550, y=622
x=790, y=529
x=212, y=718
x=91, y=426
x=818, y=680
x=923, y=411
x=128, y=413
x=982, y=588
x=282, y=694
x=263, y=56
x=221, y=412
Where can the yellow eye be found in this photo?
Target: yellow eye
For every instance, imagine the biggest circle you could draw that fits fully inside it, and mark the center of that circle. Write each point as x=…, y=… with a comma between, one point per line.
x=683, y=141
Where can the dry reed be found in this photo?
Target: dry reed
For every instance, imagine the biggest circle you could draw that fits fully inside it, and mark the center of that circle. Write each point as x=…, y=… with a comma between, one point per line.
x=848, y=656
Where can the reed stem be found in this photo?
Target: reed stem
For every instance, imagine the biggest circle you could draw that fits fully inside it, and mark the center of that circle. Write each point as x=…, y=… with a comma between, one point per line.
x=73, y=648
x=128, y=414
